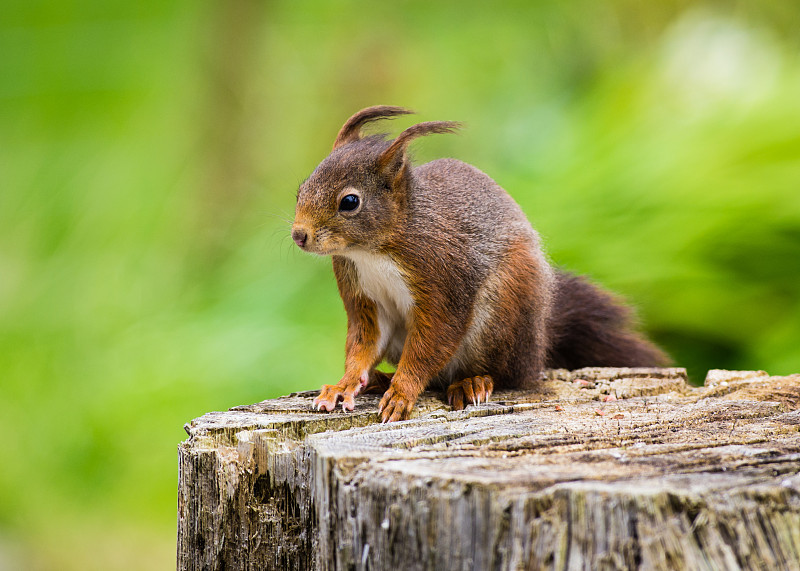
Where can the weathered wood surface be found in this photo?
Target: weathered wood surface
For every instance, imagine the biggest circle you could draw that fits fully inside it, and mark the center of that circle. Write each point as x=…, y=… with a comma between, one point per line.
x=665, y=477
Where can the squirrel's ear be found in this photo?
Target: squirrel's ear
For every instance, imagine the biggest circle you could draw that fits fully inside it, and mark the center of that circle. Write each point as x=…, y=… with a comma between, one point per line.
x=351, y=130
x=395, y=153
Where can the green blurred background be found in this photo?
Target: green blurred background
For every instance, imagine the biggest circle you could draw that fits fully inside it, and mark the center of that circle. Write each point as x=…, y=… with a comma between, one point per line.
x=149, y=155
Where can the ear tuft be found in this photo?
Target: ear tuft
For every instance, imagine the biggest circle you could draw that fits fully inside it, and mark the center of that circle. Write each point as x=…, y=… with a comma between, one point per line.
x=351, y=130
x=398, y=146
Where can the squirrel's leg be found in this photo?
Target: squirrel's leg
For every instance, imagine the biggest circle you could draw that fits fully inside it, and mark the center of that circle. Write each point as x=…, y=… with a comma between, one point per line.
x=431, y=343
x=473, y=390
x=362, y=356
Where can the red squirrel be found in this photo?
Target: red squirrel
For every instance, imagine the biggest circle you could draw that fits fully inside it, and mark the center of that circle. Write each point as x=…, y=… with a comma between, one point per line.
x=442, y=275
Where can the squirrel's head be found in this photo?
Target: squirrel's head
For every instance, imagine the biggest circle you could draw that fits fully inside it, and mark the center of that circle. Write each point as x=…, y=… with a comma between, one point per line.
x=357, y=196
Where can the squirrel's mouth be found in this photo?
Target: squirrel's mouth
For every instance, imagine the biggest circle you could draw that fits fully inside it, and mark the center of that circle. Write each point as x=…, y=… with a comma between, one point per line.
x=324, y=248
x=319, y=240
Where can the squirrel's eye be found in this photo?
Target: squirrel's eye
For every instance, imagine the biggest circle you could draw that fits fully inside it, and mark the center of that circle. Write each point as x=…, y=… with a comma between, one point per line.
x=349, y=203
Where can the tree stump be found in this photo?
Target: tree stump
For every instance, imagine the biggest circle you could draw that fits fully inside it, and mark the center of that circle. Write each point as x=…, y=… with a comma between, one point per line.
x=598, y=469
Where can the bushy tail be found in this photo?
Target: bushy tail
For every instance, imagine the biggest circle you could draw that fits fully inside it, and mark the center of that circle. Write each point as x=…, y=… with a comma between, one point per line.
x=590, y=328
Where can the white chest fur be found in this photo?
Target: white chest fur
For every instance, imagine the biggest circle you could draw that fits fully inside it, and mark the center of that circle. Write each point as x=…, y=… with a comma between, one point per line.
x=381, y=281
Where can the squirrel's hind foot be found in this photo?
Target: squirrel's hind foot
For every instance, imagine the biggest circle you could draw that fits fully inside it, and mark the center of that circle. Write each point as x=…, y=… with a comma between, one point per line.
x=472, y=390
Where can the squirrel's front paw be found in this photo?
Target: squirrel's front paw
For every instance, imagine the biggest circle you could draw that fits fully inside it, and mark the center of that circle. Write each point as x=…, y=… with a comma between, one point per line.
x=331, y=395
x=395, y=405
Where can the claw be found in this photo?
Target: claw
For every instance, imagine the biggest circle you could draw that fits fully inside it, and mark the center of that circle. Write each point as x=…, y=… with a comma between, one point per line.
x=331, y=395
x=475, y=390
x=348, y=403
x=395, y=406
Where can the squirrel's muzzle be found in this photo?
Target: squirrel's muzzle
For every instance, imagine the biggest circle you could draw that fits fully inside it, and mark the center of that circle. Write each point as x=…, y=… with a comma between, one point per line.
x=300, y=237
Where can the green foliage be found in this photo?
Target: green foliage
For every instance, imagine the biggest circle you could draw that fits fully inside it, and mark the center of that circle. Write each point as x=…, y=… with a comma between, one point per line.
x=149, y=154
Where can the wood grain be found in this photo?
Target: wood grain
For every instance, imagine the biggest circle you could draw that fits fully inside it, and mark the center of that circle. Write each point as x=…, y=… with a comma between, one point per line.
x=595, y=469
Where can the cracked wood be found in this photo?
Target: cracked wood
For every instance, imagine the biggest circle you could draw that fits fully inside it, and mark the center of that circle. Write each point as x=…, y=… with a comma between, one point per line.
x=595, y=469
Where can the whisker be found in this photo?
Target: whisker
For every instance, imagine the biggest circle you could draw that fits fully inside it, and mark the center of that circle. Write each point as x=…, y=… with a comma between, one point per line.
x=282, y=217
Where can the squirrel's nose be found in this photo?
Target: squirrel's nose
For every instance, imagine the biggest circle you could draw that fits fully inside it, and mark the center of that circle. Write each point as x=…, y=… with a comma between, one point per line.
x=299, y=236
